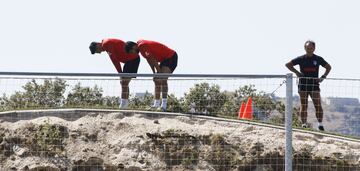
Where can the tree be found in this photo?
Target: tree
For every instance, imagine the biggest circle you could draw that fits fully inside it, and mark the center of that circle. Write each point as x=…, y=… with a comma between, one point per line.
x=280, y=119
x=263, y=103
x=205, y=99
x=175, y=104
x=84, y=96
x=142, y=102
x=48, y=94
x=202, y=98
x=111, y=101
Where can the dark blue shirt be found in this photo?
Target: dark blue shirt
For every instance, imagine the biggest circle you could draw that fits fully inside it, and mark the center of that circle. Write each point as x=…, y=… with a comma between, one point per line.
x=309, y=66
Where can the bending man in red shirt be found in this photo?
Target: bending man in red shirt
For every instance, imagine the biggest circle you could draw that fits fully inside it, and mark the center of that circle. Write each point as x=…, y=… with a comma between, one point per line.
x=116, y=50
x=161, y=60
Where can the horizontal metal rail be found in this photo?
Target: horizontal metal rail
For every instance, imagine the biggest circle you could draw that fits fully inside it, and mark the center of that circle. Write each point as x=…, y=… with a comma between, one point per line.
x=138, y=75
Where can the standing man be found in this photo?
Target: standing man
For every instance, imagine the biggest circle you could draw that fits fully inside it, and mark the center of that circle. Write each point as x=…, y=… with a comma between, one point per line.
x=161, y=60
x=116, y=50
x=309, y=83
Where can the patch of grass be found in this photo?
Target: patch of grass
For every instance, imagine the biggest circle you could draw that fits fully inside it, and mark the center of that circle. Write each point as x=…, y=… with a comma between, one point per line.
x=169, y=132
x=176, y=147
x=222, y=155
x=191, y=157
x=49, y=139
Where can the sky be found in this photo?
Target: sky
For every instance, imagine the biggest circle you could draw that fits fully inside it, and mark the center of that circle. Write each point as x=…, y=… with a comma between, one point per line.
x=210, y=36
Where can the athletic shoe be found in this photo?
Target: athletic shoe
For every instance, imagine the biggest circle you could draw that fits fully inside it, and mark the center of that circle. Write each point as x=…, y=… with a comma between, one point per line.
x=153, y=107
x=160, y=109
x=123, y=106
x=321, y=128
x=305, y=125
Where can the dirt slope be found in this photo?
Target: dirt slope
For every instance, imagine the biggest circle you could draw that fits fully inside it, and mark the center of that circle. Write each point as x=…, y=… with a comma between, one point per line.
x=122, y=141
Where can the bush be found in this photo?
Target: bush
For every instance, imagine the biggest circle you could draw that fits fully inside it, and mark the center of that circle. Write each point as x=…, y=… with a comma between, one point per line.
x=48, y=94
x=85, y=96
x=205, y=98
x=49, y=139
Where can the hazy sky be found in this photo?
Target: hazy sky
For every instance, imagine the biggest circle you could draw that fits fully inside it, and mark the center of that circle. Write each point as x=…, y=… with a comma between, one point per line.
x=210, y=36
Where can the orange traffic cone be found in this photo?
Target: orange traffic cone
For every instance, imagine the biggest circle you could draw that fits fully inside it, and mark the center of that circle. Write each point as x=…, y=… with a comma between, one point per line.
x=241, y=110
x=248, y=112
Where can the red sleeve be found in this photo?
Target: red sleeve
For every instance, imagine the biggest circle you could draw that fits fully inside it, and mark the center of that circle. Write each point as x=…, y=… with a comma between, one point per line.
x=116, y=63
x=108, y=46
x=144, y=50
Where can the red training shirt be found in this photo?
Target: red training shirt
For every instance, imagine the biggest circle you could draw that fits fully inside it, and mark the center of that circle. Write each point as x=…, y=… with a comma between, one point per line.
x=157, y=50
x=116, y=50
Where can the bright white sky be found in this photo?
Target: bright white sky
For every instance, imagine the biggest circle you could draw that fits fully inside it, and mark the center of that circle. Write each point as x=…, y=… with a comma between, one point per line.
x=210, y=36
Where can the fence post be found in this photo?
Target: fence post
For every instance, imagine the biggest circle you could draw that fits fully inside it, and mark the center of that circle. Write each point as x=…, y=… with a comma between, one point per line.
x=288, y=122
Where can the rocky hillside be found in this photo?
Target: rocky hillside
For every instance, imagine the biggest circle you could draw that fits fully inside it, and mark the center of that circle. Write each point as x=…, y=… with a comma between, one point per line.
x=134, y=141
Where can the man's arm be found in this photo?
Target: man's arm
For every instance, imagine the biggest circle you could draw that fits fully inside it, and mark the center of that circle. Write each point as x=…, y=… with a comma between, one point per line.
x=327, y=71
x=116, y=64
x=153, y=64
x=290, y=66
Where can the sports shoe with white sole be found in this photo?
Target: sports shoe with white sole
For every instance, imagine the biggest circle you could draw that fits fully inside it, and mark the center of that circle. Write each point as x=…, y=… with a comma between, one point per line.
x=153, y=107
x=161, y=109
x=123, y=106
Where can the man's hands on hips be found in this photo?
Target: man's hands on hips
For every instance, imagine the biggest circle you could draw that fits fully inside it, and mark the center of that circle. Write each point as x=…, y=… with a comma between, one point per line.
x=322, y=78
x=299, y=74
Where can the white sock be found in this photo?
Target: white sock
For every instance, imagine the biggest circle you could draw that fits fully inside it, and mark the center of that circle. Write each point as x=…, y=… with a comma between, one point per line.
x=320, y=124
x=164, y=103
x=156, y=103
x=124, y=102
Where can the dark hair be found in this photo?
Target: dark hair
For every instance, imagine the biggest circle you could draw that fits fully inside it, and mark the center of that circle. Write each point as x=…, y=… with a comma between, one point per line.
x=310, y=42
x=129, y=45
x=92, y=47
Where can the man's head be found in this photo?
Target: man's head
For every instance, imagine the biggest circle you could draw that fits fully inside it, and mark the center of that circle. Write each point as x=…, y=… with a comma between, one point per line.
x=95, y=47
x=309, y=47
x=131, y=47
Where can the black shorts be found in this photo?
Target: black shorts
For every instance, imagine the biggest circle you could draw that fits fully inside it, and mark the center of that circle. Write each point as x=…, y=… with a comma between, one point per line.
x=132, y=66
x=171, y=62
x=308, y=85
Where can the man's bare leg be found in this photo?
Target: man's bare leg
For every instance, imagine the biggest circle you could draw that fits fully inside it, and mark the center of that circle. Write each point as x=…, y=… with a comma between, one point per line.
x=157, y=93
x=164, y=87
x=316, y=98
x=303, y=107
x=124, y=92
